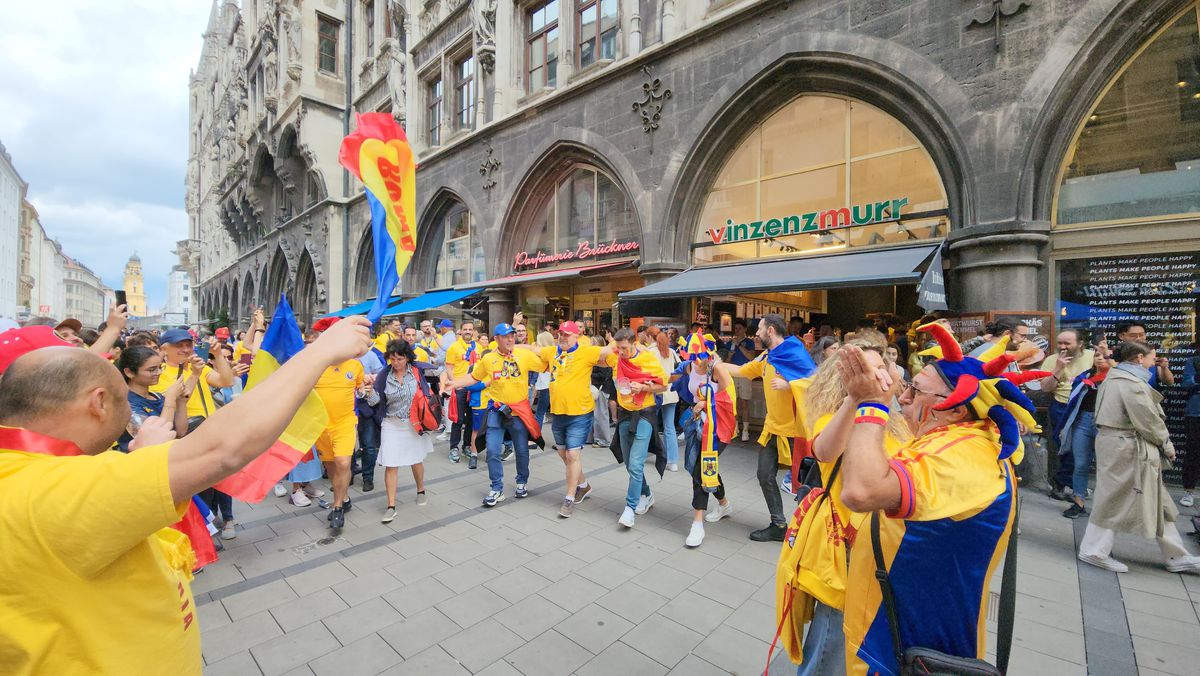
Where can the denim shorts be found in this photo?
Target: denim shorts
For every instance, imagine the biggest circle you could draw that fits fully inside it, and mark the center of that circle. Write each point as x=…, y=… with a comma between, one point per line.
x=571, y=431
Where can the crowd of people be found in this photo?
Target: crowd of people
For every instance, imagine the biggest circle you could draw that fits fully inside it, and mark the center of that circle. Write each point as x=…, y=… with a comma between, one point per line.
x=896, y=429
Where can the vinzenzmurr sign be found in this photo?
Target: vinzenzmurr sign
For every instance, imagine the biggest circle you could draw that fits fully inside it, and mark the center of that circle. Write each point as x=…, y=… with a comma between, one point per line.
x=816, y=221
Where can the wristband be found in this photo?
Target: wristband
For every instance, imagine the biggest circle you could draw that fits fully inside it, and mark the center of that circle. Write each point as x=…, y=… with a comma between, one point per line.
x=872, y=413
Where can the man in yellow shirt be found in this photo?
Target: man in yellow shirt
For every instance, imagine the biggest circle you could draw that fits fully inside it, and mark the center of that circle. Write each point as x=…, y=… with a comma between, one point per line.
x=178, y=351
x=506, y=374
x=1064, y=366
x=410, y=336
x=393, y=330
x=570, y=366
x=784, y=368
x=460, y=359
x=639, y=376
x=104, y=591
x=337, y=388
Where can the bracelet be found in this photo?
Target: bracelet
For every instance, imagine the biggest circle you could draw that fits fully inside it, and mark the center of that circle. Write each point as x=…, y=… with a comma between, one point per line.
x=872, y=413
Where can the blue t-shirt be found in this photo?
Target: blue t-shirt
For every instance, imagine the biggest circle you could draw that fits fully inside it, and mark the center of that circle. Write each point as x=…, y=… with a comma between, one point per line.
x=736, y=357
x=140, y=408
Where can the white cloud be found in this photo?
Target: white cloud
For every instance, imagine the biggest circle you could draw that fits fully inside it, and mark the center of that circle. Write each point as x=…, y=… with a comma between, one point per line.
x=95, y=97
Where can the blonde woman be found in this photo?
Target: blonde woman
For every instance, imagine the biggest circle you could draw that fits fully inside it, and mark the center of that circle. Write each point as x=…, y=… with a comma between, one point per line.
x=824, y=555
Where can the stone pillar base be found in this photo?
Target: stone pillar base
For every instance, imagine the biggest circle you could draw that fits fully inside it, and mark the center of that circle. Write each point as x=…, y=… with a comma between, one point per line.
x=993, y=270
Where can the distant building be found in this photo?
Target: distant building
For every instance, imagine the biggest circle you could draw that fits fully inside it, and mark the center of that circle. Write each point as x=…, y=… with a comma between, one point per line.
x=179, y=294
x=85, y=294
x=12, y=192
x=135, y=287
x=41, y=285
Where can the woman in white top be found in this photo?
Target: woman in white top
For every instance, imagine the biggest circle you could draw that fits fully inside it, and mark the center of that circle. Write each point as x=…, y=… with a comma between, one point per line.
x=669, y=360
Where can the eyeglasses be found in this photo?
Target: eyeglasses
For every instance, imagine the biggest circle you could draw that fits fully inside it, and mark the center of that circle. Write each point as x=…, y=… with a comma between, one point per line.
x=911, y=387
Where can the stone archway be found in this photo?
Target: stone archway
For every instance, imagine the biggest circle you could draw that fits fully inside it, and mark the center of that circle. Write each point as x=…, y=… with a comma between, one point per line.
x=365, y=283
x=276, y=281
x=305, y=303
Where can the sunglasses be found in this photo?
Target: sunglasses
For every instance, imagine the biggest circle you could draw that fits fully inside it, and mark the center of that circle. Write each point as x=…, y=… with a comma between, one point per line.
x=912, y=388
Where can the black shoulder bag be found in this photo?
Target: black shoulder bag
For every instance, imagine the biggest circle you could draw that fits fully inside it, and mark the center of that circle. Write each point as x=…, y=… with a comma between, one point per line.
x=917, y=661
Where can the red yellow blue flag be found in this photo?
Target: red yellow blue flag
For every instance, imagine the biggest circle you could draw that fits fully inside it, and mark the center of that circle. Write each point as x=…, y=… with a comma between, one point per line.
x=281, y=342
x=378, y=153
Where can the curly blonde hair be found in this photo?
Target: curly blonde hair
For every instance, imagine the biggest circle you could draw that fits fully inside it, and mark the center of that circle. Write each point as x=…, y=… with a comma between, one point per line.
x=826, y=393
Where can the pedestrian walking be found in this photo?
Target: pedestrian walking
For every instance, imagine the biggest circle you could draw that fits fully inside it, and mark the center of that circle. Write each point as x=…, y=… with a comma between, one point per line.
x=405, y=405
x=339, y=388
x=461, y=356
x=1132, y=445
x=1191, y=424
x=1072, y=359
x=1078, y=434
x=668, y=360
x=639, y=377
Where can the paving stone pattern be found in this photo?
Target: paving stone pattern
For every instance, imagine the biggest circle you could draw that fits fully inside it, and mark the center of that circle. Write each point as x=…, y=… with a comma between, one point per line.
x=452, y=588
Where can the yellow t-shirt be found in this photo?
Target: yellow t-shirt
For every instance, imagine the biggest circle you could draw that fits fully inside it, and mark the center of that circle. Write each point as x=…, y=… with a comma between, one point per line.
x=383, y=339
x=507, y=377
x=336, y=388
x=458, y=358
x=201, y=402
x=87, y=590
x=646, y=361
x=845, y=514
x=239, y=350
x=571, y=379
x=422, y=354
x=783, y=415
x=1062, y=393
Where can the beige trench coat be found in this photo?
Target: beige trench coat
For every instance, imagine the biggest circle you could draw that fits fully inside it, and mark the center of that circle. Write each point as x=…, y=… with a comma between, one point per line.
x=1131, y=442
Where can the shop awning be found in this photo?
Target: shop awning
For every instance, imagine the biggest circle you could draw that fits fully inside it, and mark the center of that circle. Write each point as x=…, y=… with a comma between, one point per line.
x=430, y=300
x=546, y=275
x=359, y=309
x=880, y=267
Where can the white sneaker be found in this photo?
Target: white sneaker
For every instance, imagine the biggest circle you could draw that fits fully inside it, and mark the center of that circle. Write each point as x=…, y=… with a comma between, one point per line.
x=672, y=467
x=227, y=531
x=388, y=515
x=280, y=491
x=1108, y=563
x=1183, y=564
x=1187, y=500
x=313, y=492
x=718, y=513
x=746, y=433
x=644, y=504
x=299, y=499
x=444, y=436
x=696, y=535
x=626, y=518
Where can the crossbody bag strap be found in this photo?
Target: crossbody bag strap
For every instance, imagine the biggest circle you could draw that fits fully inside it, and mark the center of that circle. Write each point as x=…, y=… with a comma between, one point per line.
x=1008, y=595
x=885, y=588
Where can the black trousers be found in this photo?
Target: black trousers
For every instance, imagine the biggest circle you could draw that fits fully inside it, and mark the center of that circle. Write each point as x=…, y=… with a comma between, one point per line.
x=699, y=495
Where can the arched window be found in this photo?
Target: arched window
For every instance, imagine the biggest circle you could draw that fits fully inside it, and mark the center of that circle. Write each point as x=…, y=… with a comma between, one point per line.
x=820, y=174
x=1137, y=154
x=461, y=258
x=587, y=206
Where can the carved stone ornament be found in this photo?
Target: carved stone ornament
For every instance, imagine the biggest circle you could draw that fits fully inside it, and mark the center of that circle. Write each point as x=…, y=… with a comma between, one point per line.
x=483, y=17
x=294, y=29
x=650, y=107
x=488, y=167
x=993, y=11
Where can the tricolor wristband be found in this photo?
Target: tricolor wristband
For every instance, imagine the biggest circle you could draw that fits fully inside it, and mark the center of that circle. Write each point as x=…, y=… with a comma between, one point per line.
x=872, y=413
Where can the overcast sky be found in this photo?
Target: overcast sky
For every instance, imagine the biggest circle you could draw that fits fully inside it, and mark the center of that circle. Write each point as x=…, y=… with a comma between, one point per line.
x=93, y=110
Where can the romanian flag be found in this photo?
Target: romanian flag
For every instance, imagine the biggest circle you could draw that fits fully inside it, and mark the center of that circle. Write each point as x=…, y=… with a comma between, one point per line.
x=720, y=423
x=379, y=155
x=791, y=361
x=281, y=342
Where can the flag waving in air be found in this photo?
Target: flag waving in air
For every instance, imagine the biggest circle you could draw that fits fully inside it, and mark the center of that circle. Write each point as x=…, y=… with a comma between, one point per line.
x=281, y=342
x=379, y=155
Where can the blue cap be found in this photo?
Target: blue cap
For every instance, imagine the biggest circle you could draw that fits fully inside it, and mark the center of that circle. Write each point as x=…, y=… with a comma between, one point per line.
x=445, y=324
x=504, y=330
x=172, y=336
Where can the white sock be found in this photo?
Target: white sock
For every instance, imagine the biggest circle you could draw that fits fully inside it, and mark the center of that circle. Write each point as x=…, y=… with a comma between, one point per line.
x=570, y=498
x=583, y=485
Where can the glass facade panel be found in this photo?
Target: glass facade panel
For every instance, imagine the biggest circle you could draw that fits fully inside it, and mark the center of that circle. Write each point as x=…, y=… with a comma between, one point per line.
x=874, y=131
x=1138, y=154
x=461, y=258
x=906, y=175
x=614, y=216
x=584, y=206
x=812, y=130
x=742, y=165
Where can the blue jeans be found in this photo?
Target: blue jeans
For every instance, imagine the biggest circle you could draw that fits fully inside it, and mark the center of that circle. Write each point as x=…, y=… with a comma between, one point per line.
x=497, y=425
x=571, y=431
x=1066, y=463
x=670, y=436
x=691, y=439
x=220, y=504
x=825, y=644
x=368, y=446
x=636, y=444
x=543, y=407
x=1083, y=447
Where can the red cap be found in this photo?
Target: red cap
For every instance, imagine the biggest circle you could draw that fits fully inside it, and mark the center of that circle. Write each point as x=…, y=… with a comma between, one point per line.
x=570, y=328
x=323, y=324
x=222, y=333
x=15, y=343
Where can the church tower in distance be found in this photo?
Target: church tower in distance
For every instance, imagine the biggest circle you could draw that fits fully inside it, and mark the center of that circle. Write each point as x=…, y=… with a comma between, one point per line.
x=135, y=289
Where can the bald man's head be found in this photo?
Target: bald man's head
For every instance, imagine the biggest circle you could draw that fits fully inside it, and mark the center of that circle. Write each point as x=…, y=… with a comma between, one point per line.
x=49, y=383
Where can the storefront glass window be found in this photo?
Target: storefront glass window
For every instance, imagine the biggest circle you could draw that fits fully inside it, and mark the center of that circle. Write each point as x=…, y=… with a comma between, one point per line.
x=822, y=173
x=1138, y=153
x=461, y=259
x=586, y=215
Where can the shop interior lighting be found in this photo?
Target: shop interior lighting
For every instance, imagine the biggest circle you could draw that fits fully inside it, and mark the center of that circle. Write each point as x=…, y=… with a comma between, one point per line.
x=1181, y=84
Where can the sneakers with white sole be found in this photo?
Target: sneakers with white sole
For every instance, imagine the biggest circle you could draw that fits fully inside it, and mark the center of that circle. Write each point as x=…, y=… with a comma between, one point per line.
x=1107, y=563
x=719, y=512
x=746, y=433
x=672, y=467
x=313, y=492
x=227, y=531
x=1187, y=500
x=644, y=504
x=1183, y=564
x=695, y=535
x=627, y=518
x=388, y=515
x=492, y=498
x=422, y=499
x=280, y=490
x=582, y=492
x=299, y=499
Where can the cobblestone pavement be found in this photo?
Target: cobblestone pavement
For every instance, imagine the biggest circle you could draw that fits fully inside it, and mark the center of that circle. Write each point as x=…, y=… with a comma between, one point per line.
x=452, y=588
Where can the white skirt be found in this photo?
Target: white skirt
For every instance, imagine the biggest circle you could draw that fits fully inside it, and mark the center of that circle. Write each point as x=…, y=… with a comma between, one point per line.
x=400, y=446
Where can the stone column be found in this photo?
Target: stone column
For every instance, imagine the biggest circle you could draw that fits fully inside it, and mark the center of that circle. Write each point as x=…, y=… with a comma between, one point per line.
x=998, y=268
x=500, y=307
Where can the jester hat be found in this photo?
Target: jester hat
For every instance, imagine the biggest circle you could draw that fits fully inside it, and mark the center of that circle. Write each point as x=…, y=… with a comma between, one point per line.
x=699, y=347
x=990, y=390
